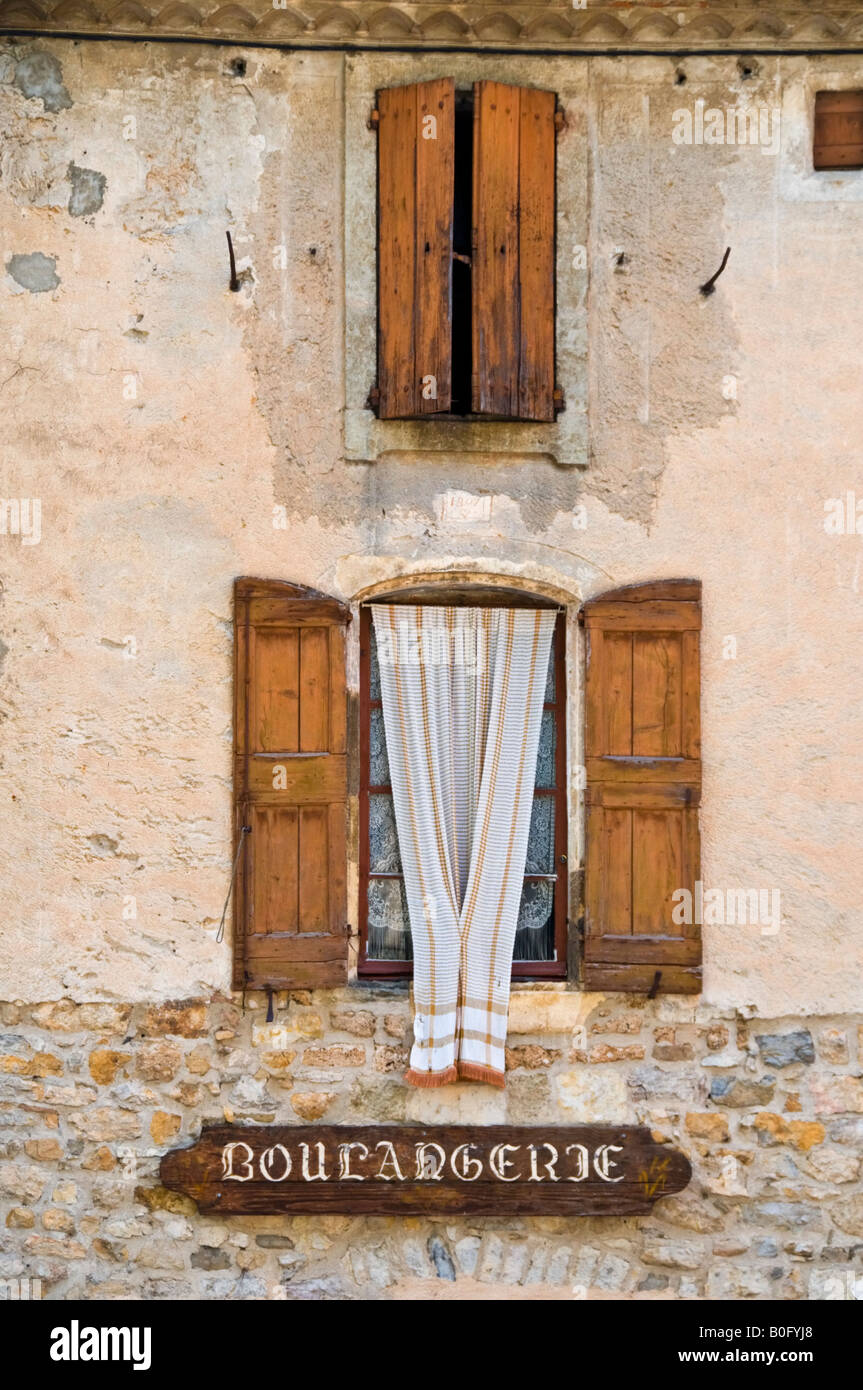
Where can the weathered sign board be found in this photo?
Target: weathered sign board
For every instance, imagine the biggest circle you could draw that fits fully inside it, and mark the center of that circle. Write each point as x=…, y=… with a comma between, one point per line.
x=491, y=1170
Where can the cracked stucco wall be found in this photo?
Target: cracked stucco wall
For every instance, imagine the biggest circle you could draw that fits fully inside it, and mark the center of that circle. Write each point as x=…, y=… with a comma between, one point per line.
x=177, y=435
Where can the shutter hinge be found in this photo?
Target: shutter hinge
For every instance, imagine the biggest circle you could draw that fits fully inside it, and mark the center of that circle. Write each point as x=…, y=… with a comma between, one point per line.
x=374, y=119
x=373, y=399
x=559, y=118
x=651, y=993
x=581, y=617
x=349, y=931
x=558, y=398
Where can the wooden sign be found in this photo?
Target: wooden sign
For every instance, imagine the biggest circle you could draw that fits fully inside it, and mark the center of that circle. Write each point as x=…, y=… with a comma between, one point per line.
x=491, y=1170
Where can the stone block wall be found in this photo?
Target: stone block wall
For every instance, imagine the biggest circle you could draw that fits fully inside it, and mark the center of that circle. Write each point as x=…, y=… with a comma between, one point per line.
x=769, y=1111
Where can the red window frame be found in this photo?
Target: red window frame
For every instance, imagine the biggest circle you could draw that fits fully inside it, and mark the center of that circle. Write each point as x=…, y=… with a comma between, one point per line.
x=521, y=969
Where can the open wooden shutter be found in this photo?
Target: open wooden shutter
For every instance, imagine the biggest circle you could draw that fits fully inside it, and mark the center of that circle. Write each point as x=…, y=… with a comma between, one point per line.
x=416, y=162
x=513, y=251
x=643, y=755
x=290, y=786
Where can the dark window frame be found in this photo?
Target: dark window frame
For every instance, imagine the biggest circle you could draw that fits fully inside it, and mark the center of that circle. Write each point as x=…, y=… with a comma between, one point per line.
x=486, y=597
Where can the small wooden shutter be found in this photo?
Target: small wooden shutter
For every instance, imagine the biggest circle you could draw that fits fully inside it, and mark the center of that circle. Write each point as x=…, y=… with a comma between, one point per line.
x=513, y=251
x=838, y=130
x=290, y=786
x=416, y=162
x=642, y=749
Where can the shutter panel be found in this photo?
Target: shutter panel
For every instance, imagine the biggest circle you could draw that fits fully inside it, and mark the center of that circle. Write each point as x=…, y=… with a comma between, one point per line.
x=513, y=251
x=838, y=142
x=290, y=786
x=416, y=163
x=643, y=756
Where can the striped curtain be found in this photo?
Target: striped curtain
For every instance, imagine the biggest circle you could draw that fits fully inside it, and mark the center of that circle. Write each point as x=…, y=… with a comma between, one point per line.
x=462, y=693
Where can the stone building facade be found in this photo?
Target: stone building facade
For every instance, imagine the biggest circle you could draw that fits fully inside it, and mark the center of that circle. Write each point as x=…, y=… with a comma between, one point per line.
x=164, y=435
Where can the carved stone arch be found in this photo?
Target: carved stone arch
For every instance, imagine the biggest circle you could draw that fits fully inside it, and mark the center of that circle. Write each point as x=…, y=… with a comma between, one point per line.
x=654, y=27
x=235, y=17
x=497, y=26
x=75, y=11
x=428, y=585
x=549, y=28
x=179, y=16
x=336, y=22
x=446, y=25
x=285, y=23
x=391, y=23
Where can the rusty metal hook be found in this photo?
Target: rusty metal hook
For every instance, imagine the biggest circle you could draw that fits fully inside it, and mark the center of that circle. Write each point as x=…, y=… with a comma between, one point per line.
x=233, y=283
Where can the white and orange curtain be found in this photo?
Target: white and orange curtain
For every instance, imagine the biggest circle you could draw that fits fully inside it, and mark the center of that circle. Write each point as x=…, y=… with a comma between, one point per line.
x=462, y=692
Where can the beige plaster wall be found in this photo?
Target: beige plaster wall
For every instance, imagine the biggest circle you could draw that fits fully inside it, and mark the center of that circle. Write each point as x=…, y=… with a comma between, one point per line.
x=160, y=420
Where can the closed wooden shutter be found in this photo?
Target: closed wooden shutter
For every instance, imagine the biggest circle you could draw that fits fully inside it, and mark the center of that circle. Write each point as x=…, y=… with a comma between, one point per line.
x=290, y=781
x=838, y=130
x=416, y=154
x=643, y=756
x=513, y=251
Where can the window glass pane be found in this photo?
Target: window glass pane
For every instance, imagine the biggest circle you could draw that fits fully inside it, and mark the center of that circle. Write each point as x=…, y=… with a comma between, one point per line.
x=540, y=840
x=374, y=668
x=534, y=937
x=389, y=937
x=389, y=928
x=384, y=857
x=379, y=768
x=547, y=744
x=549, y=680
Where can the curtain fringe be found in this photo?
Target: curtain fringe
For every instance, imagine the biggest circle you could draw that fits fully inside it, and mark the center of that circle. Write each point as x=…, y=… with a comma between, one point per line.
x=431, y=1078
x=474, y=1071
x=462, y=1071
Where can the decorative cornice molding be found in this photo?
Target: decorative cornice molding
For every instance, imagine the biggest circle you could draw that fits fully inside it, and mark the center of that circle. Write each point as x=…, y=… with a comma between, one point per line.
x=558, y=26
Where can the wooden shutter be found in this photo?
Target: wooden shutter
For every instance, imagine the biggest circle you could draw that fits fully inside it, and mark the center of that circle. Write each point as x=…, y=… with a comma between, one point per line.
x=513, y=251
x=642, y=749
x=416, y=162
x=290, y=786
x=838, y=130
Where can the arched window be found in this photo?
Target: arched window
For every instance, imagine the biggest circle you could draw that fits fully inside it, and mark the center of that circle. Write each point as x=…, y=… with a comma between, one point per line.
x=385, y=939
